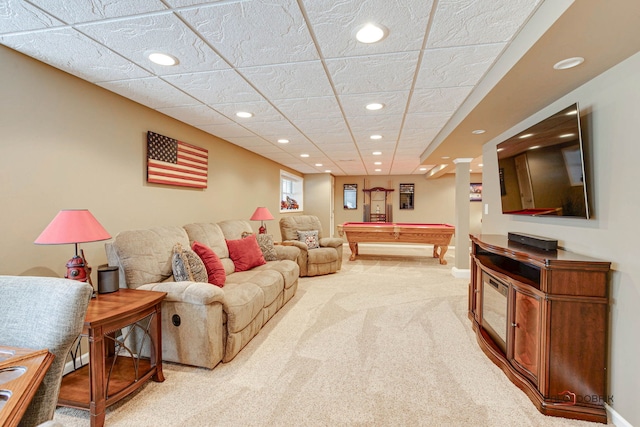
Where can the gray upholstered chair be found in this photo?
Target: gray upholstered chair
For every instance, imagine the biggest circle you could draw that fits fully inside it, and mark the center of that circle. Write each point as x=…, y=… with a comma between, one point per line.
x=325, y=259
x=38, y=313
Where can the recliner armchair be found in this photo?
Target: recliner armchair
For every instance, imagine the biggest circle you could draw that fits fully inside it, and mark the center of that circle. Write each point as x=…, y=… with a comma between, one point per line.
x=325, y=259
x=38, y=313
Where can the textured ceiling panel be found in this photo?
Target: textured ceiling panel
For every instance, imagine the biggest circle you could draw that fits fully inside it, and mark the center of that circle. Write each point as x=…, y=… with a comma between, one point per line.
x=282, y=35
x=196, y=115
x=152, y=92
x=336, y=22
x=378, y=73
x=74, y=11
x=468, y=22
x=456, y=66
x=136, y=38
x=283, y=81
x=70, y=51
x=18, y=16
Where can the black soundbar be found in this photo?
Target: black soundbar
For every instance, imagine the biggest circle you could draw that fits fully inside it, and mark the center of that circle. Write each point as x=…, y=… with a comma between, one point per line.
x=539, y=242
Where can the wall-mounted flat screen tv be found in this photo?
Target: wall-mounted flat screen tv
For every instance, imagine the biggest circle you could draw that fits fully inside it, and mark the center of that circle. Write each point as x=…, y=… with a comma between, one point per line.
x=542, y=169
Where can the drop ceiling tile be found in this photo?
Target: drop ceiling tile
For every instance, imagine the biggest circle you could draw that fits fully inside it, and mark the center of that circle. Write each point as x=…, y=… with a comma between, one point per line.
x=262, y=111
x=216, y=87
x=277, y=129
x=256, y=32
x=341, y=138
x=426, y=120
x=70, y=51
x=248, y=142
x=336, y=22
x=152, y=92
x=17, y=15
x=74, y=11
x=373, y=73
x=354, y=105
x=329, y=125
x=136, y=38
x=440, y=100
x=456, y=66
x=309, y=108
x=467, y=22
x=196, y=115
x=225, y=131
x=281, y=81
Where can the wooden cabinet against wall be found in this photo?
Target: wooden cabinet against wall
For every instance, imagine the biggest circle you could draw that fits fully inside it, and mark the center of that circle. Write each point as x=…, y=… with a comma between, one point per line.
x=556, y=323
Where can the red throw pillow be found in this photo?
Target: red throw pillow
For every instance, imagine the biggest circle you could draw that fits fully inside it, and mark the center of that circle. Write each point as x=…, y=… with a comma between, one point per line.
x=213, y=265
x=245, y=253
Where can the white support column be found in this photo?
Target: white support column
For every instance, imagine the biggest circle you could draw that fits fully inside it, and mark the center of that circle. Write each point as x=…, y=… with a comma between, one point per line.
x=463, y=179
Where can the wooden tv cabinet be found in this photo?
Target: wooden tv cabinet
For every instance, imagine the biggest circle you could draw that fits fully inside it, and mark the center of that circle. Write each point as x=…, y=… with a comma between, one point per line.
x=556, y=323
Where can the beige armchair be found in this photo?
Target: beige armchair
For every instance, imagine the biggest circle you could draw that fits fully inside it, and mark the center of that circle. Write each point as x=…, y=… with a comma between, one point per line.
x=38, y=313
x=325, y=259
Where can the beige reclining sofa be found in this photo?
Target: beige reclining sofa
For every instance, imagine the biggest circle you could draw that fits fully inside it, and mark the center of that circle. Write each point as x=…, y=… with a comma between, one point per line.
x=203, y=324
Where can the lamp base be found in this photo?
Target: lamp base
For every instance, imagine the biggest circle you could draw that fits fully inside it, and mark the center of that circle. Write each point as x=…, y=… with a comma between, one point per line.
x=262, y=230
x=76, y=269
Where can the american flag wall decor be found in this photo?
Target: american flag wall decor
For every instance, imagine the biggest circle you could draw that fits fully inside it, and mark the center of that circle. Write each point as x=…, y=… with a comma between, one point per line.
x=174, y=162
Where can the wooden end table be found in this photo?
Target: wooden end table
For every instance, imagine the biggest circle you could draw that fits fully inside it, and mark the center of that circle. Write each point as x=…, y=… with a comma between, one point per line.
x=125, y=350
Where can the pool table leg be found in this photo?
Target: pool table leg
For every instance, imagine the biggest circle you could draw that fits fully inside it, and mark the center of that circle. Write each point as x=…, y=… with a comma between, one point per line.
x=354, y=250
x=443, y=250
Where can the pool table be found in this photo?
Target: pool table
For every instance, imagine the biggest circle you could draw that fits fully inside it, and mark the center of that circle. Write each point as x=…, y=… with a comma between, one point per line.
x=439, y=235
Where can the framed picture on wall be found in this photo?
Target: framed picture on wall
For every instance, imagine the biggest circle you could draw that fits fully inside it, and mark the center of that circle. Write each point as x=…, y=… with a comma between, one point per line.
x=475, y=192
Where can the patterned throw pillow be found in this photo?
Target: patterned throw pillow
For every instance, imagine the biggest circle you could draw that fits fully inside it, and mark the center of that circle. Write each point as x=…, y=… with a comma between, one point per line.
x=310, y=238
x=187, y=265
x=215, y=270
x=266, y=246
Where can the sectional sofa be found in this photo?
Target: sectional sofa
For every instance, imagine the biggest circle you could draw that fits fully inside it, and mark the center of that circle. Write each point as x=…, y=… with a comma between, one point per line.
x=204, y=324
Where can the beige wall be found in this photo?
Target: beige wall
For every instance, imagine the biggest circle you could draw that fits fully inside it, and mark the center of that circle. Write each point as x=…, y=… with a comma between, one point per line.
x=609, y=117
x=69, y=144
x=434, y=199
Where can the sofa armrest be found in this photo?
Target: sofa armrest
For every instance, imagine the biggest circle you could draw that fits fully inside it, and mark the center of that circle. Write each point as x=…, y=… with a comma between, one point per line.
x=289, y=252
x=298, y=244
x=332, y=242
x=190, y=292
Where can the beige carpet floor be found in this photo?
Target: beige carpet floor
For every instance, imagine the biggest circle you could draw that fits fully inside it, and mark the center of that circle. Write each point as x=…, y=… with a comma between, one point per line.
x=384, y=342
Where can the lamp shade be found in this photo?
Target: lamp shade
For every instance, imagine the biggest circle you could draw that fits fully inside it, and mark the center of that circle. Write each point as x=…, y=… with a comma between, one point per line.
x=72, y=226
x=261, y=214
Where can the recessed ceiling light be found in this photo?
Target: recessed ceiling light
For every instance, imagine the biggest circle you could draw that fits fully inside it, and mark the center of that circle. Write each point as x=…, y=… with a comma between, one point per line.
x=480, y=165
x=328, y=171
x=244, y=114
x=163, y=59
x=568, y=63
x=318, y=164
x=445, y=157
x=304, y=155
x=423, y=169
x=374, y=106
x=378, y=170
x=375, y=137
x=283, y=141
x=478, y=131
x=377, y=153
x=526, y=135
x=371, y=33
x=377, y=163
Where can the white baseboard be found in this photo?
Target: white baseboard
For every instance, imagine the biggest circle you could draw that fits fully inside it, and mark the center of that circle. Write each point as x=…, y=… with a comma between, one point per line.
x=615, y=418
x=461, y=273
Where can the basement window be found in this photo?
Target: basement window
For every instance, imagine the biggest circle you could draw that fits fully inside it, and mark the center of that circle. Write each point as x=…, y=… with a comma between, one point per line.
x=290, y=192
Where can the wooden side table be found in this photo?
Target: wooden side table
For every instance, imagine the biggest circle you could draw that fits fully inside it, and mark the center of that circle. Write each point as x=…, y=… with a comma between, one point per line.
x=125, y=350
